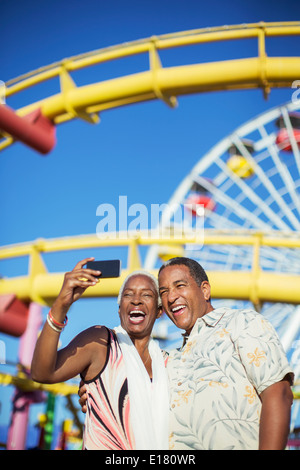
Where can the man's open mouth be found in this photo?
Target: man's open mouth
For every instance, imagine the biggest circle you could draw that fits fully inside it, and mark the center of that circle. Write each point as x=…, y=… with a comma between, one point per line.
x=178, y=310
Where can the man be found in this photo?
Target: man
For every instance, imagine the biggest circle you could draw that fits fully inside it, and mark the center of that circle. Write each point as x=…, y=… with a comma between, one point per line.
x=230, y=382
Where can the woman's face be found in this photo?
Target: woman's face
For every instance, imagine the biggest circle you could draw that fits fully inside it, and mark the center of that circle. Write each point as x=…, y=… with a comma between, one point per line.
x=138, y=307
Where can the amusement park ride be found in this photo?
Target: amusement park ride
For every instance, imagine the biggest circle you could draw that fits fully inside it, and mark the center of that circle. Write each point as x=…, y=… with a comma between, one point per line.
x=248, y=185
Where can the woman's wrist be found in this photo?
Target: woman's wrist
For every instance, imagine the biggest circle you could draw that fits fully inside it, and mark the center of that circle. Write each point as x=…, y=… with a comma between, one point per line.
x=59, y=312
x=54, y=324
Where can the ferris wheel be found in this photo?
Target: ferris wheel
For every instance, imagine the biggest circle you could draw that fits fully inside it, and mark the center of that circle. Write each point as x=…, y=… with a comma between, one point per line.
x=248, y=182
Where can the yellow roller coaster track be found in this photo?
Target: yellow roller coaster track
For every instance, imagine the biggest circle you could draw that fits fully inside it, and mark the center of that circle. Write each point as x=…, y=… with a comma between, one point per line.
x=27, y=385
x=22, y=382
x=159, y=82
x=256, y=285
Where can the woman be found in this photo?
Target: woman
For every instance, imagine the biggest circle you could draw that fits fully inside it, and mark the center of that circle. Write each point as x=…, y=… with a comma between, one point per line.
x=123, y=369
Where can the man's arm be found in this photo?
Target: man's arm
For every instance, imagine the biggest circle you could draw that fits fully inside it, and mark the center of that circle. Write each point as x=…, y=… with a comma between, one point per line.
x=274, y=429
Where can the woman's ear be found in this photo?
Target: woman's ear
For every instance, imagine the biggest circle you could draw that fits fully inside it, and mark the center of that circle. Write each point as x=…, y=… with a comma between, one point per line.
x=159, y=311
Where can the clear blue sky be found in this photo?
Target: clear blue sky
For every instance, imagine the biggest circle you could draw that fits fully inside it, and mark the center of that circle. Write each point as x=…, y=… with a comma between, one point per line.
x=142, y=151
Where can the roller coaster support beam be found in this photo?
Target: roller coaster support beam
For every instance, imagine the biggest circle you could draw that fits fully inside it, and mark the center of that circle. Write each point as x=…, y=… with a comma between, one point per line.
x=34, y=130
x=22, y=400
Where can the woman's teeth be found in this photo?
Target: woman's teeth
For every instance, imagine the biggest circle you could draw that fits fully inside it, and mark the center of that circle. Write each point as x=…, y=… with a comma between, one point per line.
x=136, y=316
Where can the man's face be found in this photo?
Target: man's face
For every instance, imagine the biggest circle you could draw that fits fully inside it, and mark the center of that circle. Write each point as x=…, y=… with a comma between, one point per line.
x=138, y=307
x=182, y=299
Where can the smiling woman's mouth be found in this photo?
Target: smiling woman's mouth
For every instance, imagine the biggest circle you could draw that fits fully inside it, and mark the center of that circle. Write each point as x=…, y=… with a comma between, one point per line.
x=136, y=316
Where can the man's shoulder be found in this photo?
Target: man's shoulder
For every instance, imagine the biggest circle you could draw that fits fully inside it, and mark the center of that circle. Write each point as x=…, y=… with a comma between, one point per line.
x=237, y=315
x=229, y=311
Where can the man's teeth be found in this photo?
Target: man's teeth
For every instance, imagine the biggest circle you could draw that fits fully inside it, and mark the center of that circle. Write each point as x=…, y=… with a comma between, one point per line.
x=179, y=307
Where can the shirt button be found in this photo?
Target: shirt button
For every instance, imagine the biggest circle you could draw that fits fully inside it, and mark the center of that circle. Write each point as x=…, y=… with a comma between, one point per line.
x=179, y=383
x=173, y=406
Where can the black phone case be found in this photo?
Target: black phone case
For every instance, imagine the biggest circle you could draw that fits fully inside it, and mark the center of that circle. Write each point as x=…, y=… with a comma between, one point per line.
x=108, y=268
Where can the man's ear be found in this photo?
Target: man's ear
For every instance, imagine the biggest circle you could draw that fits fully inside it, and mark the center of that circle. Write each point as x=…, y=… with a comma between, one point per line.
x=205, y=286
x=159, y=311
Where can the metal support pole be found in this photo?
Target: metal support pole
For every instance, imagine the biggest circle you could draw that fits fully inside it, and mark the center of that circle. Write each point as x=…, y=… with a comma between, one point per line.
x=22, y=400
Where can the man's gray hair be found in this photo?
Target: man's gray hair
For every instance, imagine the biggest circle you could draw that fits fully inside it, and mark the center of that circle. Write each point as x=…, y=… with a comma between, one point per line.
x=136, y=273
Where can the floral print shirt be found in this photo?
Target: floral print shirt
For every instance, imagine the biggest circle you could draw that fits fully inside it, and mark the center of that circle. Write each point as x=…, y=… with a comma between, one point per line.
x=230, y=357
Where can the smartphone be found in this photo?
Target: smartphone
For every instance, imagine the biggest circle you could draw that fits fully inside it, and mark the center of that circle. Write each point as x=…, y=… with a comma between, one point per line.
x=108, y=268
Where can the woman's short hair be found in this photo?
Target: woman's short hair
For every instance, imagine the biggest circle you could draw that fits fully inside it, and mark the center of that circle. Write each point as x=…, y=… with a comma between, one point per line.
x=138, y=273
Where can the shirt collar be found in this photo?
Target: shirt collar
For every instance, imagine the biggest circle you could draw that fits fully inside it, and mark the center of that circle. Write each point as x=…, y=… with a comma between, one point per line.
x=211, y=319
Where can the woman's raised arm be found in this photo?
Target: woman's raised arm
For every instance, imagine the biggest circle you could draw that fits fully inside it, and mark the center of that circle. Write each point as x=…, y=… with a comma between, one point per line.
x=48, y=364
